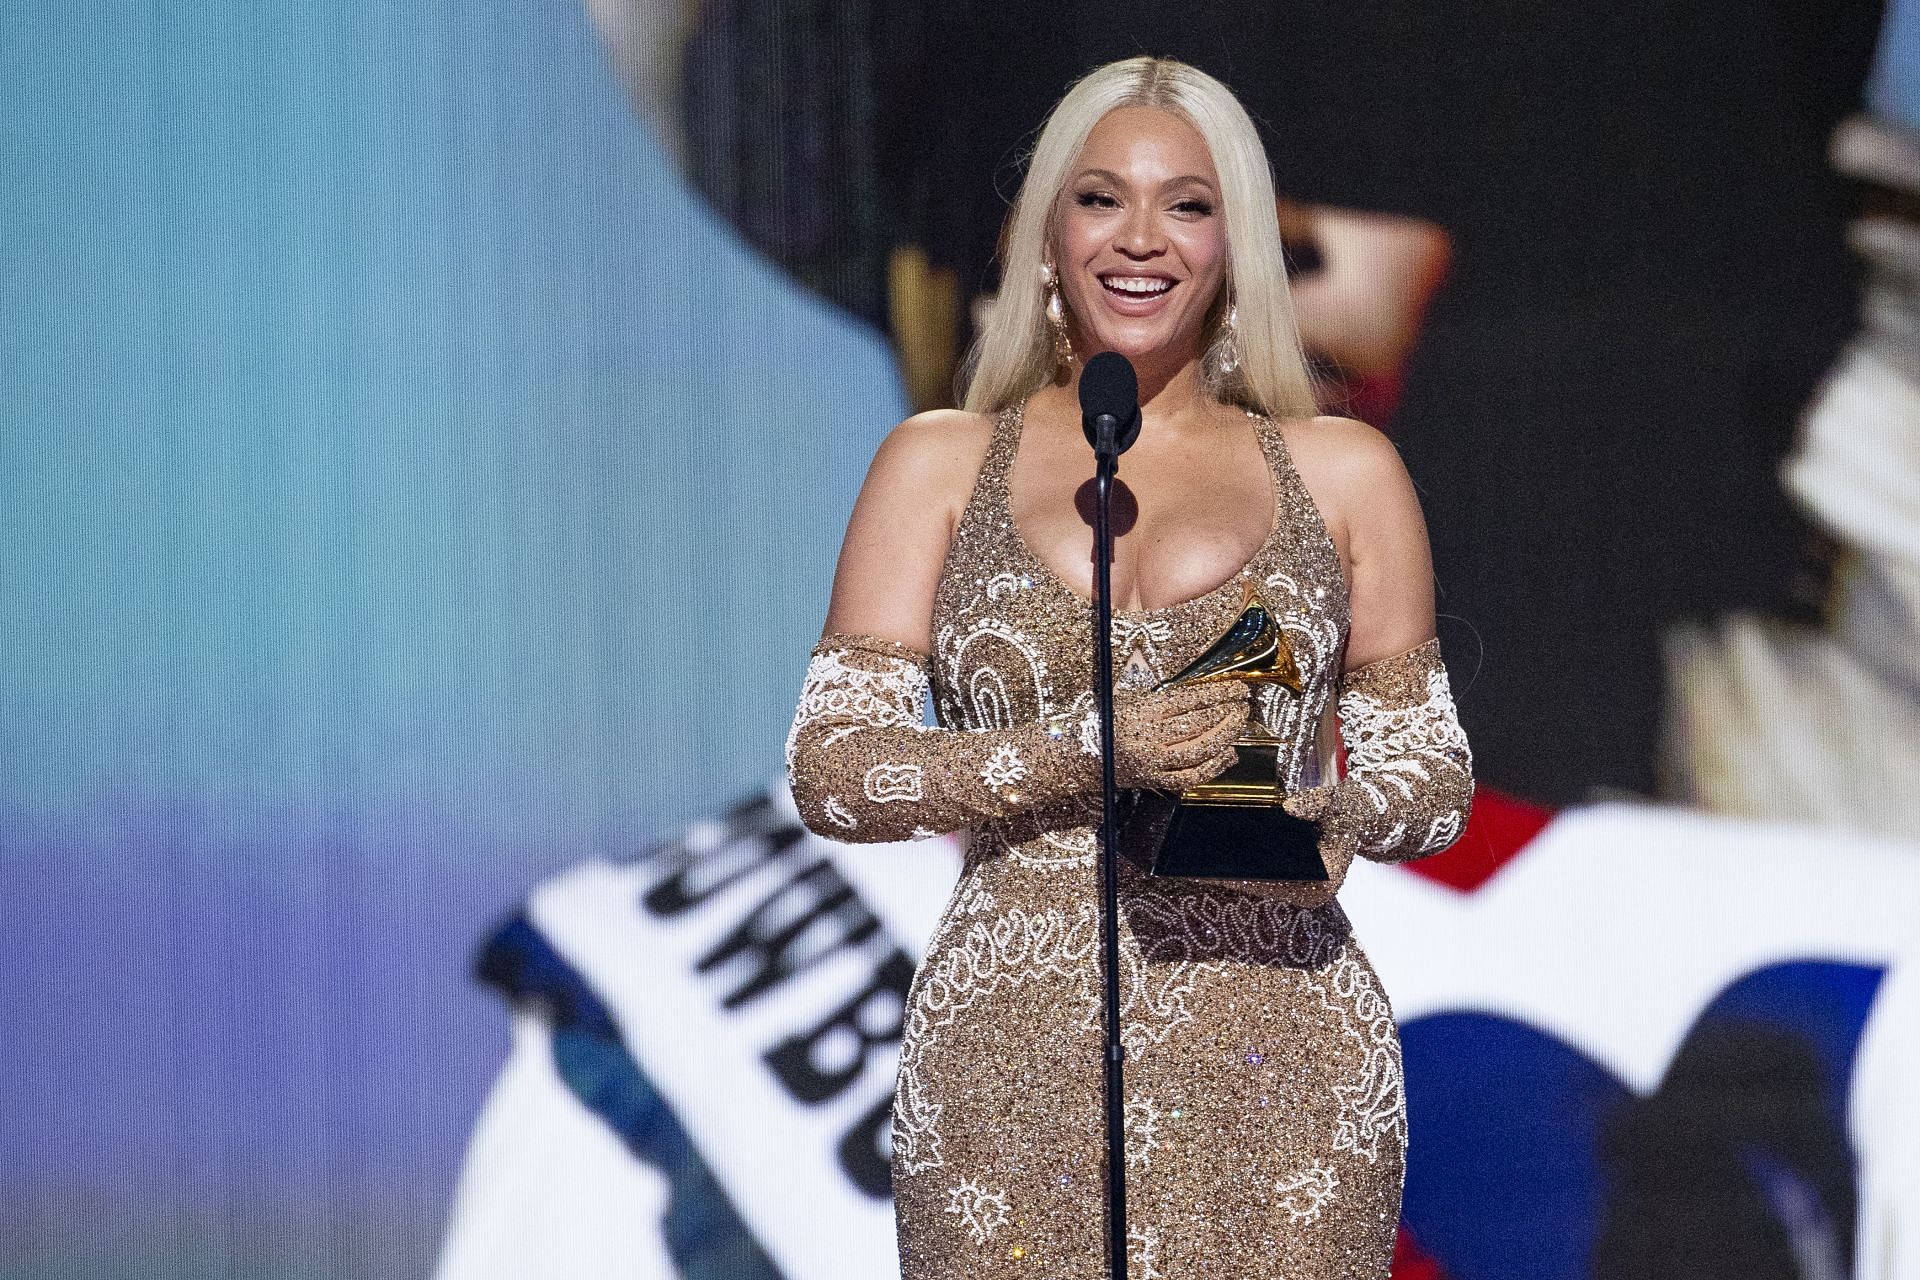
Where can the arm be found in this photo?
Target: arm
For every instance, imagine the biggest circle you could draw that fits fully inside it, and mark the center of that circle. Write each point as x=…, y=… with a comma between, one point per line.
x=863, y=765
x=1409, y=782
x=865, y=768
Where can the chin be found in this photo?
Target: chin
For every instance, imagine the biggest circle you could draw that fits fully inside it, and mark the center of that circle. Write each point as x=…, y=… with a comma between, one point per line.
x=1139, y=347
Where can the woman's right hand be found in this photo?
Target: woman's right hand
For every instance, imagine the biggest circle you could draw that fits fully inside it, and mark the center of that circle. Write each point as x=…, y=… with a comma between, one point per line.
x=1171, y=739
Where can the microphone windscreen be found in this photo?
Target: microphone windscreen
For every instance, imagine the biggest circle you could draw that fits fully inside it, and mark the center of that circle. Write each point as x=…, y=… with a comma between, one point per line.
x=1108, y=385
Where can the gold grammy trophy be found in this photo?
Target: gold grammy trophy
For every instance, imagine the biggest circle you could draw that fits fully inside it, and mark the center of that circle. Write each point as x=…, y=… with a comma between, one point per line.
x=1231, y=827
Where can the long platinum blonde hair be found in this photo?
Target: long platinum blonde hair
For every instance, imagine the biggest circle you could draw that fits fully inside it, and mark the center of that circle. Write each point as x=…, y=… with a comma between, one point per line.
x=1013, y=356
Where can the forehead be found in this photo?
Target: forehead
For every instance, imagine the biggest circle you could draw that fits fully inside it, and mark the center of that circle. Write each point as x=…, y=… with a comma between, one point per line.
x=1147, y=144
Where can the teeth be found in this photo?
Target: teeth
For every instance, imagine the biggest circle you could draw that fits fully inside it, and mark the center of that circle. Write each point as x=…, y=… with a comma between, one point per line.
x=1137, y=284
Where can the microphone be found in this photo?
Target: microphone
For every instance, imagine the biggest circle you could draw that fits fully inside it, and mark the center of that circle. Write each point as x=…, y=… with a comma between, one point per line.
x=1110, y=405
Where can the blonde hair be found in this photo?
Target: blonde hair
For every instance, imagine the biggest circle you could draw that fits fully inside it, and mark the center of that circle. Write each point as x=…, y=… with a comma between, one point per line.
x=1013, y=356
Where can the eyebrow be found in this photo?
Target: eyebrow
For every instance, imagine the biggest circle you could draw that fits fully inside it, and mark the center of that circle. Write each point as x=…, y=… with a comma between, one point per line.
x=1110, y=176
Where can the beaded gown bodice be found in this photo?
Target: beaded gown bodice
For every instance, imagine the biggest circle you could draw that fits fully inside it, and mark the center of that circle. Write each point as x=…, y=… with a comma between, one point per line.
x=1012, y=642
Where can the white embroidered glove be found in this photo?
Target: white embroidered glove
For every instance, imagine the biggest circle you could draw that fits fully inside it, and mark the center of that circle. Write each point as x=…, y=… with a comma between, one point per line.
x=1409, y=782
x=866, y=768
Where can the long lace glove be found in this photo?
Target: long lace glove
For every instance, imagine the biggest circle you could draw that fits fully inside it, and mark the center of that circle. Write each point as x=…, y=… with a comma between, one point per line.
x=1409, y=782
x=865, y=768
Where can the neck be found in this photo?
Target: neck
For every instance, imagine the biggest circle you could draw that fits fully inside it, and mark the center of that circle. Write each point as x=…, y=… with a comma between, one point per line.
x=1170, y=385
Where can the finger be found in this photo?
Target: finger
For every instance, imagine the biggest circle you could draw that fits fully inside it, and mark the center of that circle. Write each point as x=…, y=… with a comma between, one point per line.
x=1311, y=804
x=1223, y=693
x=1206, y=718
x=1193, y=724
x=1185, y=755
x=1187, y=752
x=1222, y=735
x=1212, y=767
x=1189, y=755
x=1192, y=697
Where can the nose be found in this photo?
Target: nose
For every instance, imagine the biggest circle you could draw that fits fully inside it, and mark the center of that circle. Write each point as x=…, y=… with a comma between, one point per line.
x=1139, y=235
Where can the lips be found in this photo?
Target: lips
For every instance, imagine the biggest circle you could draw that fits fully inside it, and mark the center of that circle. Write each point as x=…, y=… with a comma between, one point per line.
x=1137, y=286
x=1133, y=293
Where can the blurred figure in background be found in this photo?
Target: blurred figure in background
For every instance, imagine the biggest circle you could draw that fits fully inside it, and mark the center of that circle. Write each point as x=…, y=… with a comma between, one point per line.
x=1821, y=722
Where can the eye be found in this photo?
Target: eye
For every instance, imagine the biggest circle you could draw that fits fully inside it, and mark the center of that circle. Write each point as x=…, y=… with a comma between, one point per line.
x=1096, y=200
x=1195, y=206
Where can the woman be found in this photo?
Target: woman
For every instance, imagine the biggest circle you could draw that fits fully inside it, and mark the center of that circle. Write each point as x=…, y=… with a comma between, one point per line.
x=1265, y=1117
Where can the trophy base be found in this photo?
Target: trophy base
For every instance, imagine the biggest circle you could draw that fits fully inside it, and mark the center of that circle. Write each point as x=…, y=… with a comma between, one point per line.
x=1228, y=828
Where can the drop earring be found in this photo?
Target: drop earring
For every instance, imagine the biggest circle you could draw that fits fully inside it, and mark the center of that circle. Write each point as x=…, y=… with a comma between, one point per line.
x=1056, y=311
x=1227, y=345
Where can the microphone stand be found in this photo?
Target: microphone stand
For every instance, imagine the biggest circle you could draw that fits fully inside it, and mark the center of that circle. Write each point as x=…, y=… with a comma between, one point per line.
x=1106, y=464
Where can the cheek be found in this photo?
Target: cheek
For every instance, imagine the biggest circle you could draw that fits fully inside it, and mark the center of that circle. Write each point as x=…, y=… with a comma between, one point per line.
x=1078, y=243
x=1079, y=239
x=1204, y=249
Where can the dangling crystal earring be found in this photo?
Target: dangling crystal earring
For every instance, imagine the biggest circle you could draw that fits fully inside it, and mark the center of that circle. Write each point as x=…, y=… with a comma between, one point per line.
x=1228, y=343
x=1057, y=319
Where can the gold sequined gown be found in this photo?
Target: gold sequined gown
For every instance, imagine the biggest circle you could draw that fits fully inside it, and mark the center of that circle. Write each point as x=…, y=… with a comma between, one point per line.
x=1266, y=1123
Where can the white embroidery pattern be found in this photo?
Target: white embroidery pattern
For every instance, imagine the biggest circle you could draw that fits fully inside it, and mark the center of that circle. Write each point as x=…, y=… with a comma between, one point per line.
x=982, y=1211
x=972, y=899
x=1004, y=951
x=1315, y=638
x=1090, y=734
x=1186, y=937
x=1080, y=722
x=1005, y=584
x=1076, y=845
x=886, y=783
x=982, y=653
x=1142, y=1120
x=1053, y=849
x=1392, y=749
x=858, y=696
x=838, y=814
x=1004, y=767
x=1306, y=1193
x=1180, y=926
x=1143, y=1253
x=1147, y=631
x=1373, y=1103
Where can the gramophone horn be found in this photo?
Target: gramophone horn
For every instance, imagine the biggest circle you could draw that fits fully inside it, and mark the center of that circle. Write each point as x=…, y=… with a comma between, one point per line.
x=1254, y=649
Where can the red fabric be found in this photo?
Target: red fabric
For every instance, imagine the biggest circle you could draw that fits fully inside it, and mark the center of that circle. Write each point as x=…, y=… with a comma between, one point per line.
x=1499, y=828
x=1410, y=1262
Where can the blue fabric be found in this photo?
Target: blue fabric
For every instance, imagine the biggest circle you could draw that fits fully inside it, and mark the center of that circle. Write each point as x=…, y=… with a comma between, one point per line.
x=1526, y=1153
x=1894, y=87
x=704, y=1233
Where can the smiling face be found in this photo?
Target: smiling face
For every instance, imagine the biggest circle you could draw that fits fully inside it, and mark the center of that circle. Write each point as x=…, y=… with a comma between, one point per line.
x=1140, y=241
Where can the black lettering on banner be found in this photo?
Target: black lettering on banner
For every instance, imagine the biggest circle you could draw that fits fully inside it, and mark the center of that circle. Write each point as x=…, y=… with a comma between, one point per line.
x=820, y=1063
x=799, y=924
x=754, y=835
x=866, y=1155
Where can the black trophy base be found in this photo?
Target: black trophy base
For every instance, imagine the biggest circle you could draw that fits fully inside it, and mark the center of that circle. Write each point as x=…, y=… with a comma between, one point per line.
x=1176, y=838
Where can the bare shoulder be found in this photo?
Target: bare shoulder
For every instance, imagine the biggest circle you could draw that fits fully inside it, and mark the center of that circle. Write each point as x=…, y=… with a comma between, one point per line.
x=1341, y=454
x=932, y=454
x=902, y=522
x=1352, y=472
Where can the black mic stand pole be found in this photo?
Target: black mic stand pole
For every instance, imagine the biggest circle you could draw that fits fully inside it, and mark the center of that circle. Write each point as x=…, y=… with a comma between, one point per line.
x=1106, y=463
